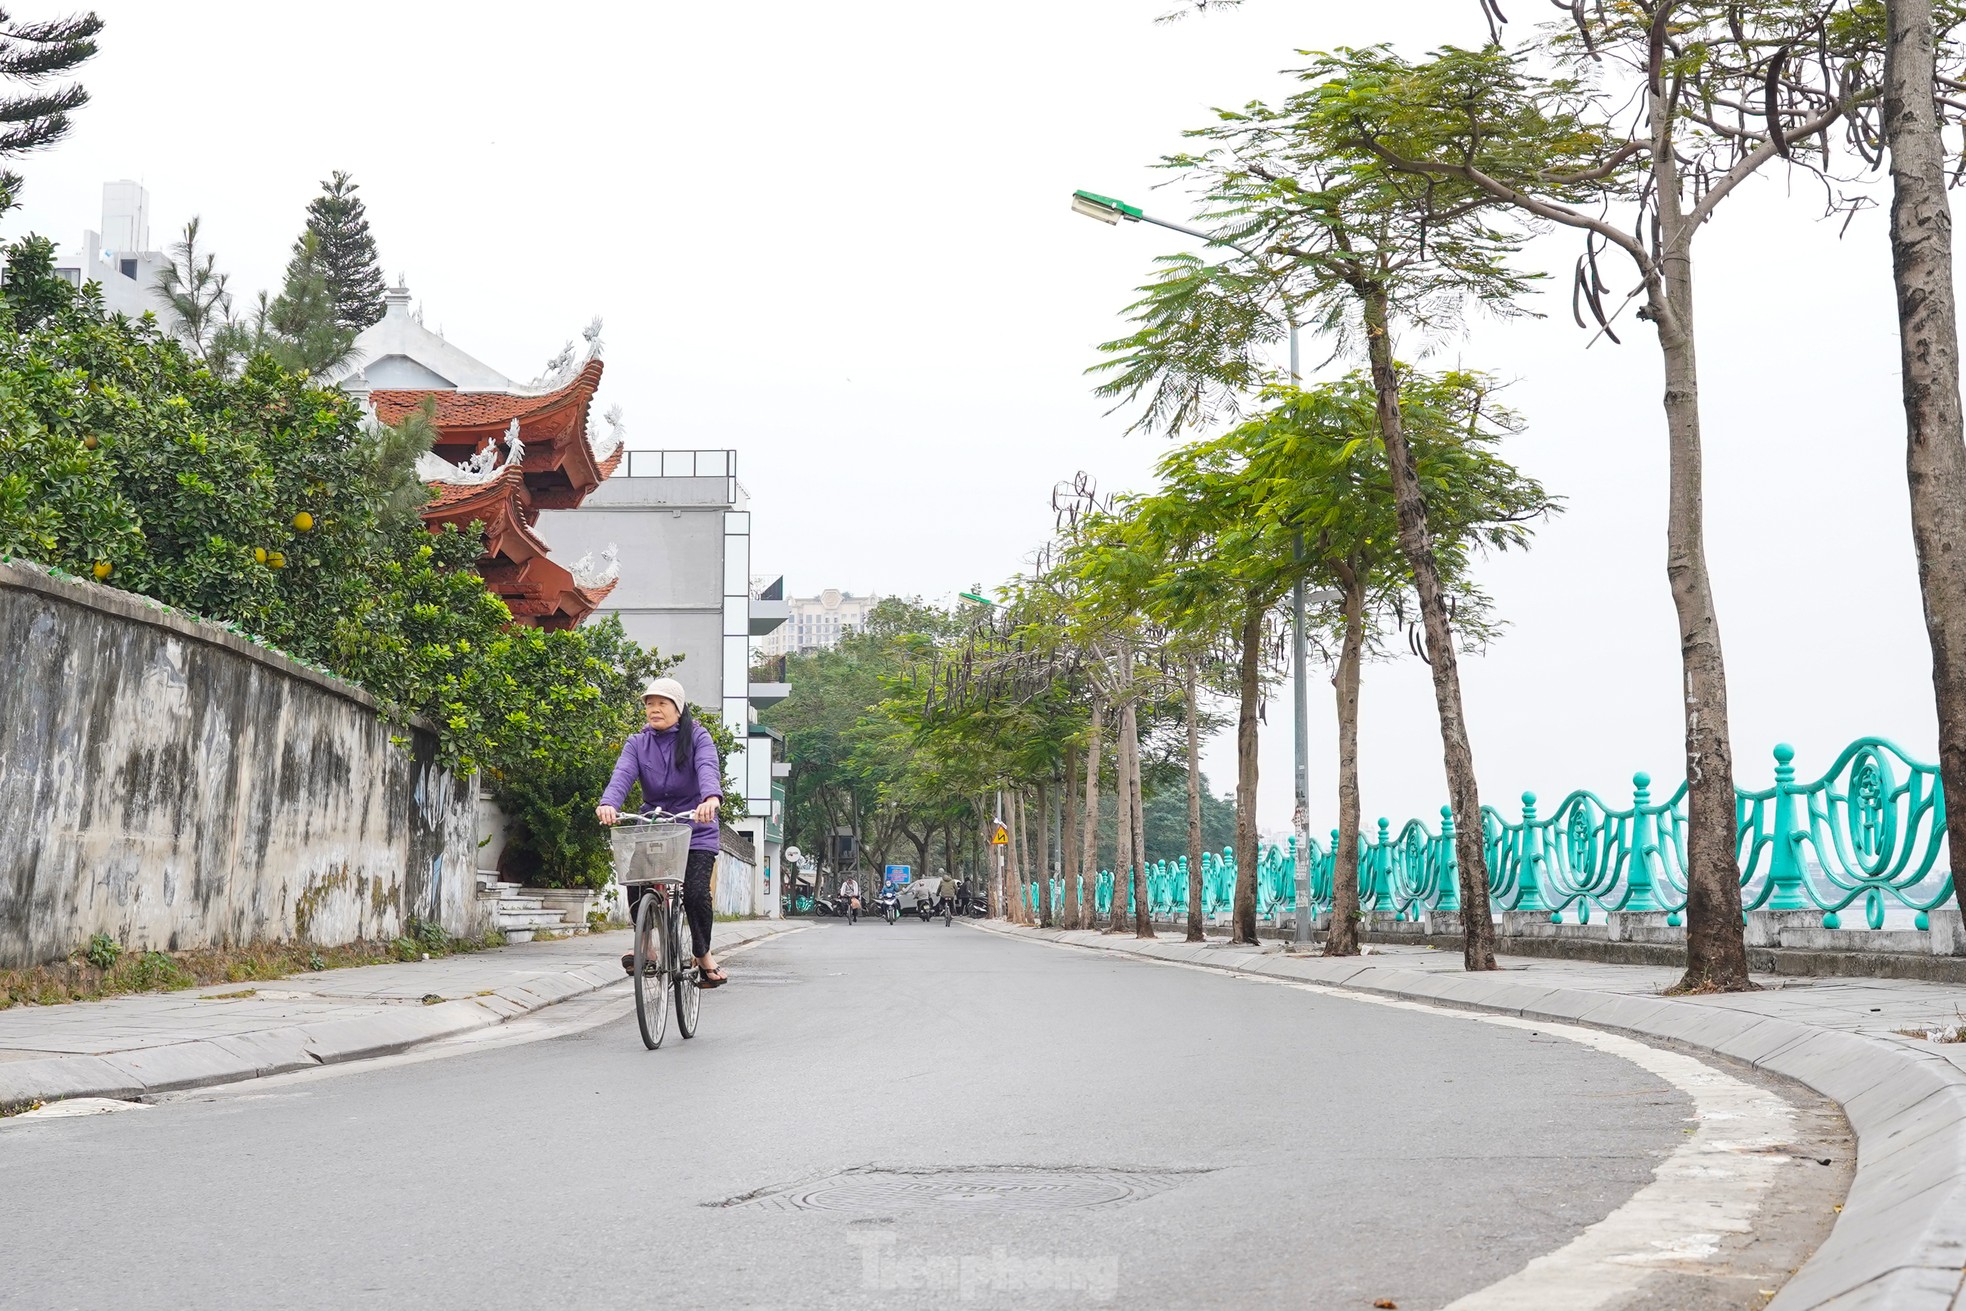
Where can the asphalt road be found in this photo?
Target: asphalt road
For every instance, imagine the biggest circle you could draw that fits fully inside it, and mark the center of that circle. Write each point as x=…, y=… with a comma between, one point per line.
x=1025, y=1126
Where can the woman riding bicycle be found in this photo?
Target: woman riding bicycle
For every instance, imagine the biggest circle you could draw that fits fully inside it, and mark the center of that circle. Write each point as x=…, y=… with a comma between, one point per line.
x=677, y=765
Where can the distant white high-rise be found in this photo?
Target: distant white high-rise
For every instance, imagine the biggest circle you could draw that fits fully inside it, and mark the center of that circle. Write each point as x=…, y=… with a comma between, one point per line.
x=119, y=258
x=819, y=621
x=125, y=217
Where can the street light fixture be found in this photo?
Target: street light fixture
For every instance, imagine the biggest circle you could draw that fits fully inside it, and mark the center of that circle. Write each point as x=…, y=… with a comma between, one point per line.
x=1104, y=208
x=1107, y=210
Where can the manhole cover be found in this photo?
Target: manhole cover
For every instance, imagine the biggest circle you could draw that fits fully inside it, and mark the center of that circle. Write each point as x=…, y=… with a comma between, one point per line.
x=991, y=1188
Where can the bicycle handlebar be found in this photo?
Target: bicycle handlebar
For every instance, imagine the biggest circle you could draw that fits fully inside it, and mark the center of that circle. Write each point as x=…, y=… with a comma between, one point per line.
x=658, y=817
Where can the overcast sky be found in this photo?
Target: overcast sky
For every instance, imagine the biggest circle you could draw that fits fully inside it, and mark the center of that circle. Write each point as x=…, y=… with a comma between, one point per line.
x=835, y=236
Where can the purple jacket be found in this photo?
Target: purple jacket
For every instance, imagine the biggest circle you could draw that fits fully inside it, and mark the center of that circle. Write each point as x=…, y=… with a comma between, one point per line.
x=650, y=757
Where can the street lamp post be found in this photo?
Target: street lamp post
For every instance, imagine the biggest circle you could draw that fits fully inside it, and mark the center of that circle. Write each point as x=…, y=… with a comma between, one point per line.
x=1108, y=210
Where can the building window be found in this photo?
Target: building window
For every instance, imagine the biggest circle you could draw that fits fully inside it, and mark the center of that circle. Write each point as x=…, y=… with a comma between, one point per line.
x=128, y=268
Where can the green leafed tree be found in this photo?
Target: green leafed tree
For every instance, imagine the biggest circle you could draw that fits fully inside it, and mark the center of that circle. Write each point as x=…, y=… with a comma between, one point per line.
x=1631, y=127
x=1312, y=462
x=1345, y=247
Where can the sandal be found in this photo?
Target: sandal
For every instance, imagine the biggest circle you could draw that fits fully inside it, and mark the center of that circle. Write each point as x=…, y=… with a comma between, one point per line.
x=712, y=978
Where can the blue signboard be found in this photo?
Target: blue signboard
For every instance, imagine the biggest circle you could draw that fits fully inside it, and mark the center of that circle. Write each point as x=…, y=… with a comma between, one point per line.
x=899, y=873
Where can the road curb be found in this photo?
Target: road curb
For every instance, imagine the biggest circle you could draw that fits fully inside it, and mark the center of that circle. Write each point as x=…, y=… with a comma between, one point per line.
x=206, y=1061
x=1900, y=1241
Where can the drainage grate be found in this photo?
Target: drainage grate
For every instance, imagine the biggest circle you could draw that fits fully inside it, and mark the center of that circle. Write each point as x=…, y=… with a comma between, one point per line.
x=872, y=1191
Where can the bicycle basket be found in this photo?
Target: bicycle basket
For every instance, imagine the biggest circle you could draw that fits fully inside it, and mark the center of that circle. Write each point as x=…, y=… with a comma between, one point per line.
x=650, y=853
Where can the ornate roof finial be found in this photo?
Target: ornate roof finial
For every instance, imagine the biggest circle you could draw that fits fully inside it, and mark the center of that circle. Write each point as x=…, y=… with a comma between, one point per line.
x=606, y=445
x=590, y=575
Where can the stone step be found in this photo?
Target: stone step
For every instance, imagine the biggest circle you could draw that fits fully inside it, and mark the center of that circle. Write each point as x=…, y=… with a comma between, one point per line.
x=538, y=919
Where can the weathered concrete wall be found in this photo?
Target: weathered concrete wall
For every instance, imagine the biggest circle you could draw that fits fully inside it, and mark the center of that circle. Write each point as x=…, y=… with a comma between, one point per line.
x=174, y=786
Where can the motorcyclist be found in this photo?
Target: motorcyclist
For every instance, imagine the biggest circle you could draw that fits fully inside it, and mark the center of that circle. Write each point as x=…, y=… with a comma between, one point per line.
x=850, y=893
x=945, y=893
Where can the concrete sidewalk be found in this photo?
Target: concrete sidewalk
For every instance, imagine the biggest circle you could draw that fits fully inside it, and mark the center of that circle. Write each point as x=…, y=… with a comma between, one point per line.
x=1900, y=1241
x=128, y=1046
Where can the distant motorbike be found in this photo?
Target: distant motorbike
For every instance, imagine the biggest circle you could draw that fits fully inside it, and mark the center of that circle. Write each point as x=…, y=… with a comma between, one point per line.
x=890, y=904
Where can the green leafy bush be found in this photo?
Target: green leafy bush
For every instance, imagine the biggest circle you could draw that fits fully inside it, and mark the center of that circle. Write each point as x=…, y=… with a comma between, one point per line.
x=570, y=700
x=104, y=951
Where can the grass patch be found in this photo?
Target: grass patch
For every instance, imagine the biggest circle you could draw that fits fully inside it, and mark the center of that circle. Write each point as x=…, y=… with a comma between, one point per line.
x=1944, y=1033
x=1954, y=1032
x=82, y=977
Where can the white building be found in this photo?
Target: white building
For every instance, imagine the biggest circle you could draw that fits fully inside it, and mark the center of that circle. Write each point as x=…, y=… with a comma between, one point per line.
x=119, y=257
x=819, y=621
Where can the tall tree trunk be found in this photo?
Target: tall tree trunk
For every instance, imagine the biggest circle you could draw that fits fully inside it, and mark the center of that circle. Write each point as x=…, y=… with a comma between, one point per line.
x=949, y=851
x=1121, y=911
x=992, y=881
x=1192, y=694
x=1242, y=918
x=1928, y=347
x=1089, y=842
x=1716, y=951
x=1416, y=540
x=1047, y=802
x=1014, y=858
x=1143, y=904
x=1342, y=938
x=1068, y=839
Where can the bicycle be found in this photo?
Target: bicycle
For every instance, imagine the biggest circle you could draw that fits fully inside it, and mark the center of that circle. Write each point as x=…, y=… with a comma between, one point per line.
x=651, y=852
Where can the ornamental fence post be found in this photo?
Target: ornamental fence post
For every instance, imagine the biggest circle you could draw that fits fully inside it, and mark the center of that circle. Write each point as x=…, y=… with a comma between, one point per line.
x=1380, y=870
x=1644, y=846
x=1529, y=868
x=1450, y=882
x=1786, y=889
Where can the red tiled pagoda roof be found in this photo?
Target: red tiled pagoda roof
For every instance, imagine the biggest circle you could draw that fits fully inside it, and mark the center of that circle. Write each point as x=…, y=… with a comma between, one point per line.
x=558, y=472
x=560, y=467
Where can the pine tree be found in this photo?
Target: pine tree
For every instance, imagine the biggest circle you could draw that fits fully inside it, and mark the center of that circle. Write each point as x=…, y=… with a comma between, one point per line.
x=31, y=53
x=307, y=331
x=200, y=306
x=338, y=222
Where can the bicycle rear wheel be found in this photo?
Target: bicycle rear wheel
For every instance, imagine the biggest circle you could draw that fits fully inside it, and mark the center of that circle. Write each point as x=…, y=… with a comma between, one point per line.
x=652, y=969
x=688, y=995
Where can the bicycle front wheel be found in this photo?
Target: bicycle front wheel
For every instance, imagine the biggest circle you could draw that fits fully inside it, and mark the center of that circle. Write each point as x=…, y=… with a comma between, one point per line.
x=688, y=995
x=652, y=969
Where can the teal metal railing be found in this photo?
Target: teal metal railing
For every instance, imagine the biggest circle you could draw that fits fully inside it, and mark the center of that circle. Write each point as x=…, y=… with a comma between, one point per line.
x=1871, y=829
